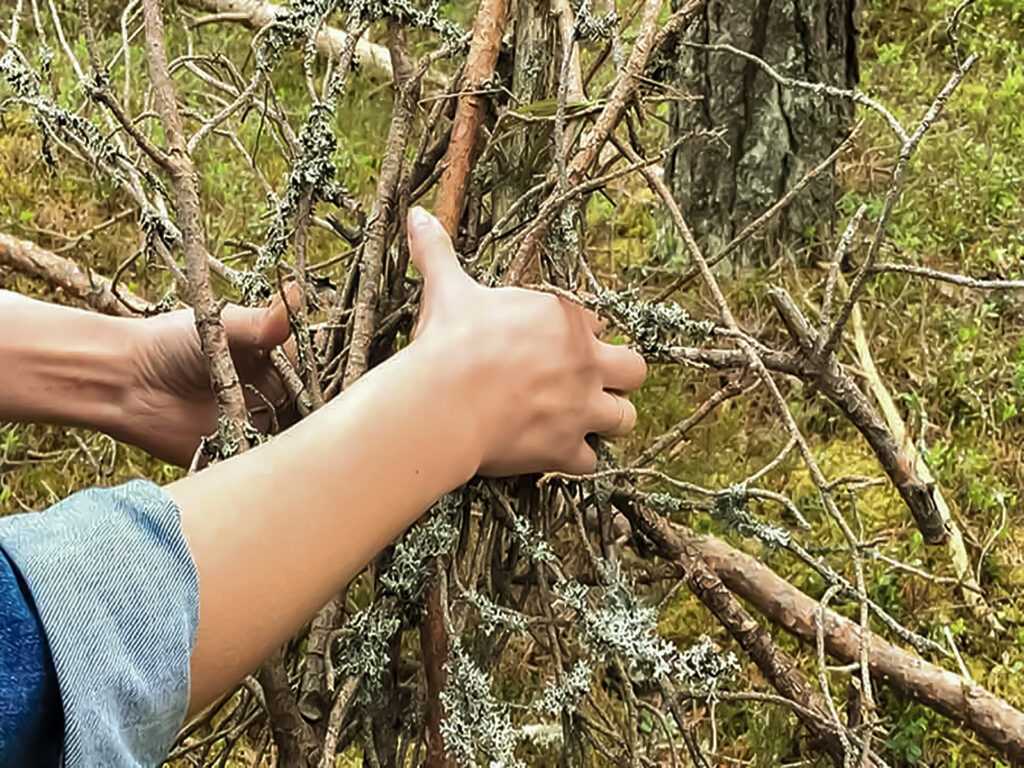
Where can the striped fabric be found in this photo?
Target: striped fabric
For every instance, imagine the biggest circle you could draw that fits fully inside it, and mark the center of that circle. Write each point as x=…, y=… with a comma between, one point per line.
x=116, y=589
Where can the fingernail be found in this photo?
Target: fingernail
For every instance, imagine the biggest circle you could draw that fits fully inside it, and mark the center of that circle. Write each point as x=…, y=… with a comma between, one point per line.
x=418, y=217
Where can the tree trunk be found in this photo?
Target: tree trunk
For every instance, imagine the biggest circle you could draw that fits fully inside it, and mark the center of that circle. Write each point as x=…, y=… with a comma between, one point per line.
x=771, y=135
x=534, y=76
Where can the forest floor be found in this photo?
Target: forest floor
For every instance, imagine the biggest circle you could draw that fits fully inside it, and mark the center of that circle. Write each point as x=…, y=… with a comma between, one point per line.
x=953, y=358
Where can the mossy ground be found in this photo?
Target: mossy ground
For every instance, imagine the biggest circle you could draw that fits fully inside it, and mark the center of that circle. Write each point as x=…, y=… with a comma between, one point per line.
x=954, y=358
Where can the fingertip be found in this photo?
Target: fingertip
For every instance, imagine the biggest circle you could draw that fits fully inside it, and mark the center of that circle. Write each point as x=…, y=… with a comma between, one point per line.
x=431, y=248
x=274, y=322
x=422, y=232
x=419, y=218
x=623, y=368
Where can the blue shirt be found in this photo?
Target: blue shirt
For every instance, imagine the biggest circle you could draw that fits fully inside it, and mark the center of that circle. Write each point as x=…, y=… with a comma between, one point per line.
x=116, y=597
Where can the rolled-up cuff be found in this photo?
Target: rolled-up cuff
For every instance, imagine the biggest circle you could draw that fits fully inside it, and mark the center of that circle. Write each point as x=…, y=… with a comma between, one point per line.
x=117, y=592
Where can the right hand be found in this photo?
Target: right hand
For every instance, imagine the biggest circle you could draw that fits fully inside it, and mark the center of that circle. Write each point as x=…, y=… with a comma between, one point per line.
x=530, y=363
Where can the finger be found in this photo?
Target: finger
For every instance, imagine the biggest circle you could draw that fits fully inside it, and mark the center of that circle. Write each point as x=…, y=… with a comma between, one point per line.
x=432, y=252
x=583, y=462
x=260, y=327
x=622, y=368
x=597, y=323
x=613, y=415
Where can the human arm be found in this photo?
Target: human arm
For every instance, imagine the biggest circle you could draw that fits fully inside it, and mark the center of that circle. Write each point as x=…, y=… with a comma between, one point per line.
x=141, y=381
x=498, y=381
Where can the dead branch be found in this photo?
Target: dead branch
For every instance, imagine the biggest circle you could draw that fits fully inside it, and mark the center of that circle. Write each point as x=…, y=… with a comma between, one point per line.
x=841, y=389
x=330, y=41
x=231, y=406
x=781, y=669
x=365, y=316
x=594, y=140
x=955, y=543
x=85, y=285
x=995, y=721
x=483, y=54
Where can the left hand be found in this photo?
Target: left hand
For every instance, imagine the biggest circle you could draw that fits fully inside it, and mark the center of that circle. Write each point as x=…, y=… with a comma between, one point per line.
x=170, y=406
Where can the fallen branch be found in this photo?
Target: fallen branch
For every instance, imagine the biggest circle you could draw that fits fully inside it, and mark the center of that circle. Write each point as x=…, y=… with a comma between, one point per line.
x=841, y=389
x=780, y=669
x=994, y=720
x=971, y=590
x=330, y=42
x=84, y=285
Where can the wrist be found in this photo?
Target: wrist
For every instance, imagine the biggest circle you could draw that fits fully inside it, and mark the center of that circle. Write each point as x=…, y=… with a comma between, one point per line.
x=106, y=368
x=448, y=402
x=64, y=366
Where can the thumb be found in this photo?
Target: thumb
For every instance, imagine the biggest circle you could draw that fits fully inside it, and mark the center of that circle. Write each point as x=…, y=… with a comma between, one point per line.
x=432, y=252
x=260, y=327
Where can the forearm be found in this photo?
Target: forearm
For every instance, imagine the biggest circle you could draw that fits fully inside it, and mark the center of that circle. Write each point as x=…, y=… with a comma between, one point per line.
x=60, y=365
x=277, y=531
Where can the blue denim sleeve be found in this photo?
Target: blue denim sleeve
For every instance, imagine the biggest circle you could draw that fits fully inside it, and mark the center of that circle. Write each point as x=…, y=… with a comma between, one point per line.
x=114, y=583
x=30, y=714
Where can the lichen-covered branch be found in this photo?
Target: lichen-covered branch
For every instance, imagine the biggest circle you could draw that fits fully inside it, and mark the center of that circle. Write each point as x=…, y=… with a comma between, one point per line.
x=234, y=417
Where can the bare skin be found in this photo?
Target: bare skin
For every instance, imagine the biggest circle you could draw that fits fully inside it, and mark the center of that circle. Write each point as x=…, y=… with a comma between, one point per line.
x=498, y=381
x=143, y=382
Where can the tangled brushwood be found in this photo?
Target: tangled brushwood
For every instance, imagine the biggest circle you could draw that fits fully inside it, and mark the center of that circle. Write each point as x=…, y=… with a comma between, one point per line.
x=518, y=622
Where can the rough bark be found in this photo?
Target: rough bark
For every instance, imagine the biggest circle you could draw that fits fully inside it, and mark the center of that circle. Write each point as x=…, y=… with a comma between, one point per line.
x=296, y=743
x=772, y=136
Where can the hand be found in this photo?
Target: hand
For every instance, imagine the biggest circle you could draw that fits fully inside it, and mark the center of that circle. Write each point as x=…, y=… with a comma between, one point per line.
x=169, y=404
x=534, y=370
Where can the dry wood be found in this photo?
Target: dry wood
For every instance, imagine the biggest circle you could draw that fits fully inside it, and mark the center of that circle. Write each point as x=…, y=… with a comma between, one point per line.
x=994, y=720
x=185, y=181
x=296, y=743
x=842, y=390
x=82, y=284
x=232, y=411
x=780, y=669
x=971, y=590
x=330, y=41
x=594, y=140
x=483, y=54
